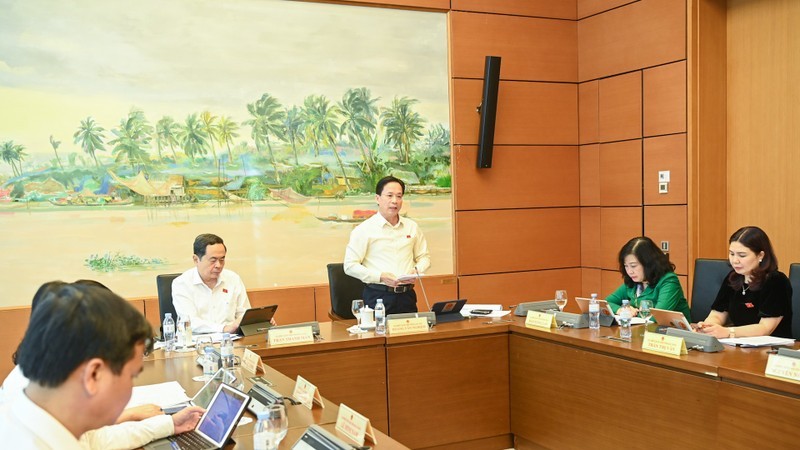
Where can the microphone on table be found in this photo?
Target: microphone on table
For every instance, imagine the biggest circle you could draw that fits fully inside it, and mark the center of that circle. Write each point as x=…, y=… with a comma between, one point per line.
x=424, y=295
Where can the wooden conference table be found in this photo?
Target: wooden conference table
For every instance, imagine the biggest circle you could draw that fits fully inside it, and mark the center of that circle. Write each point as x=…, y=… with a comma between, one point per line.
x=482, y=384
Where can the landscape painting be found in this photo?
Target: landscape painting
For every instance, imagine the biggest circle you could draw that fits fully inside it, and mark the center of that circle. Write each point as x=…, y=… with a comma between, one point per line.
x=126, y=129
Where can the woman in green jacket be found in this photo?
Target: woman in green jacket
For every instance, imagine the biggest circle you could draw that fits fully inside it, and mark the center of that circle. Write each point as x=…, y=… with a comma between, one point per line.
x=648, y=275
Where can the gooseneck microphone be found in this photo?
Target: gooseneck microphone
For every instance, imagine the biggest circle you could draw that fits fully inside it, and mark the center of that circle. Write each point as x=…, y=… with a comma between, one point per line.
x=424, y=295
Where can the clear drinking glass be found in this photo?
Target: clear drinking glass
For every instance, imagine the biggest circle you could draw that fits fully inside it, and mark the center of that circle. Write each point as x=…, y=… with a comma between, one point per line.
x=561, y=299
x=644, y=309
x=277, y=425
x=356, y=308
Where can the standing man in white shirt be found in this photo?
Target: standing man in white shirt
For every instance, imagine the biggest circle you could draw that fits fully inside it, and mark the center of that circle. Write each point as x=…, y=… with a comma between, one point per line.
x=214, y=298
x=386, y=246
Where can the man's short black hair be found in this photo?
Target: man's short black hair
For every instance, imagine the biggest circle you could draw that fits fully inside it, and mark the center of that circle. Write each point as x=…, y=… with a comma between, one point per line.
x=386, y=180
x=76, y=323
x=204, y=240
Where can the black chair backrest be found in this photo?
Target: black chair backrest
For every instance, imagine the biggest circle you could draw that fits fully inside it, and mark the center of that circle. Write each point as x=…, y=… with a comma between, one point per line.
x=164, y=286
x=794, y=277
x=708, y=277
x=344, y=289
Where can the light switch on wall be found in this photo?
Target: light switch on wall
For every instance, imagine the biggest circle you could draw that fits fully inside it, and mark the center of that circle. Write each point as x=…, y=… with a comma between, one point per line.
x=663, y=176
x=663, y=187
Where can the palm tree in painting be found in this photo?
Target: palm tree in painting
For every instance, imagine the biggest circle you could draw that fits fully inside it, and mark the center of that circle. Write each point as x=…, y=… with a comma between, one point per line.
x=54, y=143
x=167, y=135
x=309, y=105
x=294, y=124
x=322, y=117
x=209, y=122
x=133, y=137
x=227, y=131
x=359, y=113
x=403, y=126
x=193, y=137
x=267, y=119
x=11, y=152
x=90, y=137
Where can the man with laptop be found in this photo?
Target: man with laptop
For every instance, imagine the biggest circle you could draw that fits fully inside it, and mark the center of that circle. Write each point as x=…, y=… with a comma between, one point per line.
x=385, y=247
x=215, y=298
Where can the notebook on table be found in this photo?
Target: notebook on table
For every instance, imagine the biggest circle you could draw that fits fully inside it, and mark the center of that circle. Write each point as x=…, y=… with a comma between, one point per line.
x=215, y=427
x=256, y=320
x=449, y=311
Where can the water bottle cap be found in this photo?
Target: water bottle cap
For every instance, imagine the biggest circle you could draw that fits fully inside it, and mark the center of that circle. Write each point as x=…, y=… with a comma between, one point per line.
x=167, y=315
x=380, y=300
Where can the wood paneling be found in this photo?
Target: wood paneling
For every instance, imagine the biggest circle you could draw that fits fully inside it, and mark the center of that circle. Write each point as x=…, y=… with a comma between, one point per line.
x=739, y=427
x=15, y=322
x=621, y=173
x=295, y=304
x=531, y=49
x=643, y=34
x=557, y=9
x=517, y=240
x=152, y=312
x=763, y=120
x=588, y=111
x=665, y=153
x=514, y=288
x=590, y=175
x=668, y=223
x=322, y=303
x=617, y=226
x=590, y=238
x=591, y=279
x=592, y=7
x=527, y=113
x=610, y=280
x=438, y=5
x=620, y=107
x=665, y=99
x=549, y=174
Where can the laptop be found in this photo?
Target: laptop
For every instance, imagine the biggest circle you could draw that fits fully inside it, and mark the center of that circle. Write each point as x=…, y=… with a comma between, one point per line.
x=215, y=427
x=449, y=311
x=667, y=318
x=318, y=438
x=256, y=320
x=606, y=313
x=205, y=394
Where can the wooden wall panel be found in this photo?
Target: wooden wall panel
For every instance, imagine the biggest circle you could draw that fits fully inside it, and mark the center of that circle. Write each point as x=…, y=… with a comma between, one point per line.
x=591, y=280
x=617, y=226
x=610, y=280
x=620, y=107
x=588, y=111
x=668, y=223
x=642, y=34
x=152, y=312
x=557, y=9
x=531, y=49
x=295, y=304
x=15, y=322
x=527, y=113
x=591, y=7
x=590, y=175
x=322, y=303
x=621, y=173
x=517, y=240
x=436, y=5
x=520, y=177
x=590, y=238
x=665, y=153
x=514, y=288
x=665, y=99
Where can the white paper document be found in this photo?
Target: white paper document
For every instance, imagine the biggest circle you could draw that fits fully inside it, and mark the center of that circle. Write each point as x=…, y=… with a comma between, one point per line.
x=757, y=341
x=162, y=394
x=409, y=278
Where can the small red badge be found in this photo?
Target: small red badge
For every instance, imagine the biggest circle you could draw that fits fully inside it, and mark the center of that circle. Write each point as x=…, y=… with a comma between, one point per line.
x=408, y=236
x=224, y=291
x=750, y=305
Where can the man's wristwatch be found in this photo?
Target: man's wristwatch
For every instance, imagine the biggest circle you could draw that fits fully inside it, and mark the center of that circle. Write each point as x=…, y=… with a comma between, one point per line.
x=731, y=332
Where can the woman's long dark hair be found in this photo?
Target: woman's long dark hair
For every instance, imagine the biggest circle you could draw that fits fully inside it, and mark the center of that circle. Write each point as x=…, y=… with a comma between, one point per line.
x=757, y=241
x=655, y=262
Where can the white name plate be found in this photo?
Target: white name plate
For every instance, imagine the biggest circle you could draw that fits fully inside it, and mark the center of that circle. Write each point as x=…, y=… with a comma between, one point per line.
x=783, y=367
x=289, y=336
x=661, y=343
x=407, y=326
x=252, y=362
x=306, y=393
x=354, y=425
x=537, y=319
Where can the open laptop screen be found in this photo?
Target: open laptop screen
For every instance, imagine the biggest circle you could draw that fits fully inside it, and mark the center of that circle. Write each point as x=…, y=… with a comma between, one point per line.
x=222, y=415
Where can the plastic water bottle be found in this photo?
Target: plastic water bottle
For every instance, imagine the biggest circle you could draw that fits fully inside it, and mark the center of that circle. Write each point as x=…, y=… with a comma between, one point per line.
x=227, y=350
x=594, y=313
x=209, y=363
x=169, y=332
x=380, y=317
x=261, y=436
x=185, y=330
x=625, y=320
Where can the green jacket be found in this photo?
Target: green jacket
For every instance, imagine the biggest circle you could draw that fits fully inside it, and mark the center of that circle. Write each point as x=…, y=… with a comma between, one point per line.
x=666, y=294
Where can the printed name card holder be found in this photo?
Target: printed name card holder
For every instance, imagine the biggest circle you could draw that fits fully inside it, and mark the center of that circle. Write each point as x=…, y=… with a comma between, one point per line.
x=252, y=362
x=290, y=336
x=661, y=343
x=354, y=425
x=537, y=319
x=411, y=325
x=306, y=393
x=786, y=365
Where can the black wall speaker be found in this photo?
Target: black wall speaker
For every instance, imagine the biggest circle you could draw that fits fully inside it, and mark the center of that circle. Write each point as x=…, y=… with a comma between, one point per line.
x=488, y=111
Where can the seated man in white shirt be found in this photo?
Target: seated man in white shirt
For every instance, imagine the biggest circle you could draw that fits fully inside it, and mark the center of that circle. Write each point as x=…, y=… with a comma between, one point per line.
x=386, y=246
x=135, y=427
x=214, y=298
x=83, y=347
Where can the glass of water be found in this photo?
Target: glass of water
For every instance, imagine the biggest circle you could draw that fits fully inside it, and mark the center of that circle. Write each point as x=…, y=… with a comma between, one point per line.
x=561, y=299
x=644, y=309
x=356, y=309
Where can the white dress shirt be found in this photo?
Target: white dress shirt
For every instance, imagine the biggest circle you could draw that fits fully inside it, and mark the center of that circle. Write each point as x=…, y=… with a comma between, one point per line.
x=24, y=425
x=126, y=435
x=209, y=309
x=376, y=246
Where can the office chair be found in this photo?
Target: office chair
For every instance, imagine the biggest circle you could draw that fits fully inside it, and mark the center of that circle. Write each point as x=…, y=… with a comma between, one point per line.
x=794, y=278
x=708, y=277
x=164, y=286
x=344, y=289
